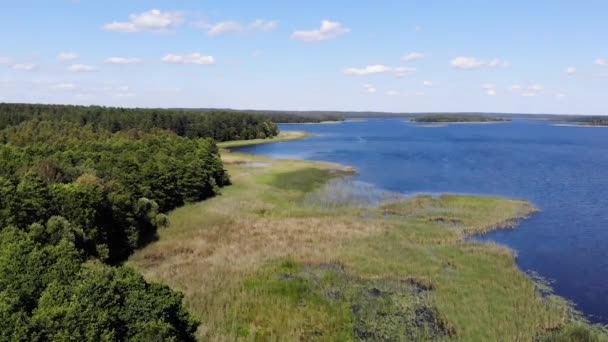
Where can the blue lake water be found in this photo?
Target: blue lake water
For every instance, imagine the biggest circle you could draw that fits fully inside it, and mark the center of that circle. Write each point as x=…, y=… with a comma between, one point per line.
x=562, y=170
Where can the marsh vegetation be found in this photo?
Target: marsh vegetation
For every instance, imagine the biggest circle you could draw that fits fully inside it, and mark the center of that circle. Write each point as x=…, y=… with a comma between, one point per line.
x=275, y=258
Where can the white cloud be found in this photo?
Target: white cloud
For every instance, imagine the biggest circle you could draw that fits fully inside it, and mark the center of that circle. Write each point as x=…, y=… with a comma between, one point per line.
x=392, y=93
x=468, y=63
x=368, y=70
x=264, y=25
x=24, y=67
x=413, y=56
x=5, y=60
x=490, y=89
x=81, y=68
x=67, y=56
x=428, y=83
x=151, y=21
x=531, y=90
x=515, y=87
x=369, y=88
x=225, y=27
x=124, y=95
x=64, y=86
x=328, y=30
x=193, y=58
x=259, y=25
x=529, y=94
x=379, y=69
x=123, y=60
x=570, y=70
x=601, y=61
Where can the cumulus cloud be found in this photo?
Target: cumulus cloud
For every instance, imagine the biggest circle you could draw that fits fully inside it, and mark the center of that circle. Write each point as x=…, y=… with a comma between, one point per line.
x=67, y=56
x=428, y=83
x=193, y=58
x=328, y=30
x=258, y=25
x=81, y=68
x=5, y=60
x=63, y=86
x=413, y=56
x=152, y=21
x=225, y=27
x=264, y=25
x=531, y=90
x=24, y=67
x=123, y=60
x=467, y=63
x=601, y=61
x=570, y=70
x=369, y=88
x=379, y=69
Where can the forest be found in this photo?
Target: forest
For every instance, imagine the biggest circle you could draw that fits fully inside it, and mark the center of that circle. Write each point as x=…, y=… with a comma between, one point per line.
x=219, y=125
x=80, y=189
x=591, y=120
x=283, y=116
x=457, y=118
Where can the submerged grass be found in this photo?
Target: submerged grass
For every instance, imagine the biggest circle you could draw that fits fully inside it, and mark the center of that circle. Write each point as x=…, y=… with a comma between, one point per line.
x=271, y=260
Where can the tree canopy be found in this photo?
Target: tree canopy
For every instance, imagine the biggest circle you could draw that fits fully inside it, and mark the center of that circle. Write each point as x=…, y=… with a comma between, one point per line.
x=80, y=189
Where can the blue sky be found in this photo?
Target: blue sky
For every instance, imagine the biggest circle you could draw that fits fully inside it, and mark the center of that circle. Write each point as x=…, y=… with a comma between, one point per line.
x=507, y=56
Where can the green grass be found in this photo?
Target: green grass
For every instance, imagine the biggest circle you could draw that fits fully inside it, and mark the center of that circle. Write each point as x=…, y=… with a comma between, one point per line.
x=262, y=263
x=283, y=136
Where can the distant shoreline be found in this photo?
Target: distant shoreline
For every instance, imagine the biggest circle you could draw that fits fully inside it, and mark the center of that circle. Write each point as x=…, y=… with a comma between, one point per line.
x=447, y=123
x=312, y=123
x=580, y=125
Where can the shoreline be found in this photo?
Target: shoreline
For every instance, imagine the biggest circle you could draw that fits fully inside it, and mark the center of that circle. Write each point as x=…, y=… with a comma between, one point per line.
x=281, y=137
x=445, y=123
x=580, y=125
x=277, y=226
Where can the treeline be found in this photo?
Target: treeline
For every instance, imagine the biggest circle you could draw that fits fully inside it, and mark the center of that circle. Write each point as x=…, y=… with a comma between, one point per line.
x=218, y=125
x=596, y=120
x=457, y=118
x=77, y=198
x=279, y=116
x=285, y=117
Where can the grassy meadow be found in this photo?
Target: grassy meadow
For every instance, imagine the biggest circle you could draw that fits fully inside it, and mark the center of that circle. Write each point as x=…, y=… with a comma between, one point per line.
x=271, y=260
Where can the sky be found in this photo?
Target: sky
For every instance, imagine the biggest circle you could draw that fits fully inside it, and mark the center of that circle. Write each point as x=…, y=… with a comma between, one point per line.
x=400, y=56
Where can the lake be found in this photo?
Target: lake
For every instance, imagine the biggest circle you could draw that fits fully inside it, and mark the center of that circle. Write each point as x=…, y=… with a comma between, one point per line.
x=562, y=170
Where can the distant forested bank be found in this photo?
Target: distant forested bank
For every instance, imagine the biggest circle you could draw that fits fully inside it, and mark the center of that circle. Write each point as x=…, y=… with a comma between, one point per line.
x=218, y=125
x=447, y=118
x=283, y=116
x=590, y=120
x=80, y=189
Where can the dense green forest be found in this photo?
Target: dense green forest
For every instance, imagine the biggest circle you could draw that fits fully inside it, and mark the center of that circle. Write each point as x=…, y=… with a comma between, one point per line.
x=80, y=189
x=283, y=116
x=457, y=118
x=219, y=125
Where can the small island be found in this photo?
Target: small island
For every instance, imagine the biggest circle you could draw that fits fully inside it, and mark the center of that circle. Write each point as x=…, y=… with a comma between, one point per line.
x=458, y=118
x=586, y=121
